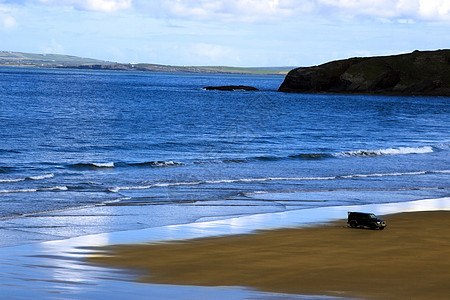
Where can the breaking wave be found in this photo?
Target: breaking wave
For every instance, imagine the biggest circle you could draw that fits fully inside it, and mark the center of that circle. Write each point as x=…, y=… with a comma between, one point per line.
x=38, y=177
x=156, y=163
x=243, y=180
x=388, y=151
x=111, y=165
x=168, y=184
x=301, y=156
x=343, y=154
x=81, y=166
x=394, y=174
x=45, y=189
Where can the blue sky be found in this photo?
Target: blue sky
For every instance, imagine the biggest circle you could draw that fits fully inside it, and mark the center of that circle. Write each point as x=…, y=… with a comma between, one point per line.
x=224, y=32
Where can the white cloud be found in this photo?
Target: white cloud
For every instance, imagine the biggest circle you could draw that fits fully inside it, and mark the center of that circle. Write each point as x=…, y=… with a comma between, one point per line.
x=268, y=10
x=7, y=21
x=434, y=9
x=422, y=10
x=91, y=5
x=263, y=10
x=224, y=10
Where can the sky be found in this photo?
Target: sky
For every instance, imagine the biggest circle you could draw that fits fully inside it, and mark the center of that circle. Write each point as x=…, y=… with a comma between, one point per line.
x=258, y=33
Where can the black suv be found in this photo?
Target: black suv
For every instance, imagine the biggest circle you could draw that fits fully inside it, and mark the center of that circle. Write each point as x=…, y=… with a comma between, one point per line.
x=358, y=219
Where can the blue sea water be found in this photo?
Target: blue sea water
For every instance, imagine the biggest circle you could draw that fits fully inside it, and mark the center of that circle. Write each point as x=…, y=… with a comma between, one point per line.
x=72, y=139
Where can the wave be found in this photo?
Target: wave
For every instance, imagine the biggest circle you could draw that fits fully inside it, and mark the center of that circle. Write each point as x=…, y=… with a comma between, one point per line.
x=169, y=184
x=45, y=189
x=81, y=166
x=4, y=170
x=243, y=180
x=38, y=177
x=344, y=190
x=55, y=188
x=303, y=156
x=388, y=151
x=156, y=163
x=111, y=165
x=311, y=156
x=356, y=153
x=18, y=191
x=393, y=174
x=300, y=156
x=41, y=177
x=343, y=154
x=8, y=151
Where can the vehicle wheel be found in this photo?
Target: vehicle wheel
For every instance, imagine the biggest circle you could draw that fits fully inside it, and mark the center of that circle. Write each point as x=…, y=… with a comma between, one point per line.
x=353, y=224
x=373, y=226
x=381, y=228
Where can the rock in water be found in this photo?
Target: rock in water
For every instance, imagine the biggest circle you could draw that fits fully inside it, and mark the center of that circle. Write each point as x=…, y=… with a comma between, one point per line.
x=230, y=88
x=416, y=73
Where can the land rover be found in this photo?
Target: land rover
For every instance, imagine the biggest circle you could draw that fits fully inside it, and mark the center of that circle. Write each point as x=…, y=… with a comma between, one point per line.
x=358, y=219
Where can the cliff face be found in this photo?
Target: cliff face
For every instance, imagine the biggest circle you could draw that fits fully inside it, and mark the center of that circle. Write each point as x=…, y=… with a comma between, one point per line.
x=416, y=73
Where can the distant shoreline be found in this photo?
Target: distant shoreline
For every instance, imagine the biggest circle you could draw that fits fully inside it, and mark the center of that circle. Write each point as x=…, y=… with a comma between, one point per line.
x=19, y=59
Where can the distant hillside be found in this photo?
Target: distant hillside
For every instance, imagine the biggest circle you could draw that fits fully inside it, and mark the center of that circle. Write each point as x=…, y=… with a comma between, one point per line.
x=181, y=69
x=8, y=58
x=416, y=73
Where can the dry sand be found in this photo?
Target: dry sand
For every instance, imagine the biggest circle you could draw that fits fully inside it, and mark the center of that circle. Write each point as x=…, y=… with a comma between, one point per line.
x=410, y=259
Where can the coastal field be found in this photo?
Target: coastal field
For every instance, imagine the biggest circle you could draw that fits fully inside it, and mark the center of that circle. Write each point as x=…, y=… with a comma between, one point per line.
x=410, y=259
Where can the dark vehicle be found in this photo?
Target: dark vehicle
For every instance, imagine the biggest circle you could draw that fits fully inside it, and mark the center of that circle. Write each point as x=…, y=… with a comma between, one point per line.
x=358, y=219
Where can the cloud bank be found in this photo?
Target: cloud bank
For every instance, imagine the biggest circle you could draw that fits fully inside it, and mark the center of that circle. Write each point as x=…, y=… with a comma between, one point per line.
x=266, y=10
x=261, y=10
x=89, y=5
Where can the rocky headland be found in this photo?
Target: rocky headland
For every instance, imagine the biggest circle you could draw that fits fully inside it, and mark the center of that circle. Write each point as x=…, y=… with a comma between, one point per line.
x=416, y=73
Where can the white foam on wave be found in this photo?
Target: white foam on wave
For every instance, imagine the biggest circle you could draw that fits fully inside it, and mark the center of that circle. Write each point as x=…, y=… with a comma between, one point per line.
x=165, y=163
x=38, y=177
x=55, y=188
x=169, y=184
x=383, y=174
x=395, y=174
x=388, y=151
x=41, y=177
x=442, y=171
x=12, y=180
x=104, y=165
x=18, y=191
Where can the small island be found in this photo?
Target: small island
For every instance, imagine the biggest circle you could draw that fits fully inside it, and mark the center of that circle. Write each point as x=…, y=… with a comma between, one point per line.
x=416, y=73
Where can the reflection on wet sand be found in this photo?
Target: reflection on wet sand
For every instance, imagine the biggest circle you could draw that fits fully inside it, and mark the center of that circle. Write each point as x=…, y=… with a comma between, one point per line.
x=24, y=269
x=408, y=260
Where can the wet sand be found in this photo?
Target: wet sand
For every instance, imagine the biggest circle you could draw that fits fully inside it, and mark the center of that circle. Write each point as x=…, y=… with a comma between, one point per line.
x=410, y=259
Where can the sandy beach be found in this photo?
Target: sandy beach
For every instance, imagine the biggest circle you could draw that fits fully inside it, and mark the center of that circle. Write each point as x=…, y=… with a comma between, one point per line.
x=410, y=259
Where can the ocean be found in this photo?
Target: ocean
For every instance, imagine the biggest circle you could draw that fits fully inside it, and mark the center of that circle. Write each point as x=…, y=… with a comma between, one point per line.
x=76, y=139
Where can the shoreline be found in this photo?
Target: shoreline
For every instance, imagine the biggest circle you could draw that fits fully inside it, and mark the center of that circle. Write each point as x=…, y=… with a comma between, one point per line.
x=62, y=263
x=409, y=259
